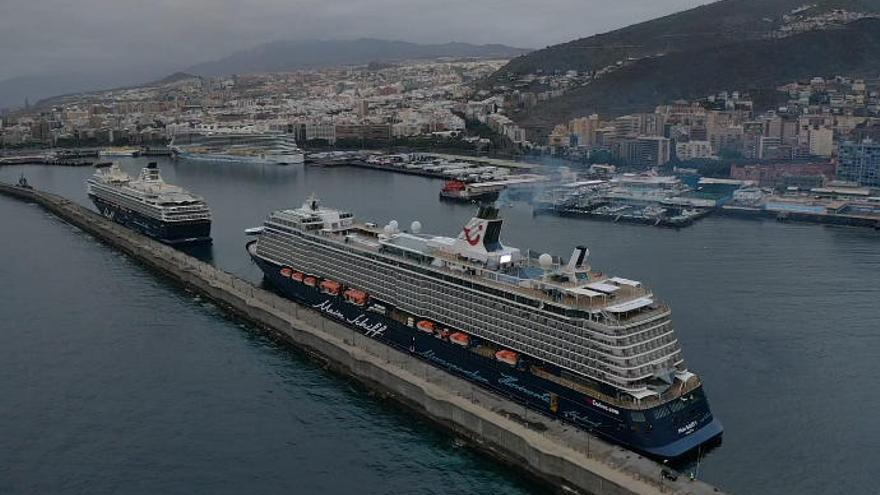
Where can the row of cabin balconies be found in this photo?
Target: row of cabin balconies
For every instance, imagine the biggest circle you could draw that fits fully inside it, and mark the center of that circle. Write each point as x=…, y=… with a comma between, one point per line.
x=563, y=348
x=548, y=353
x=112, y=195
x=615, y=358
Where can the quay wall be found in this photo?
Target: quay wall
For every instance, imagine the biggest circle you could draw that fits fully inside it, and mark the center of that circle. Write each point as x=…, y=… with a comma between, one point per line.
x=804, y=217
x=569, y=459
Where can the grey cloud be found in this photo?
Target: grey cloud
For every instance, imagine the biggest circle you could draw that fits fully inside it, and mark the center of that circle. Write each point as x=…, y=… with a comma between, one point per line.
x=136, y=36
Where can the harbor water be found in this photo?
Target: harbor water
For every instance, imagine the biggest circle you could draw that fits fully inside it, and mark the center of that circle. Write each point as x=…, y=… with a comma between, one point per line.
x=115, y=380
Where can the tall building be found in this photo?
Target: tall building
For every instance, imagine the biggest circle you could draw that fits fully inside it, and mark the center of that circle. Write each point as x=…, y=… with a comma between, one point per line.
x=693, y=149
x=654, y=150
x=727, y=139
x=628, y=125
x=585, y=129
x=769, y=148
x=821, y=141
x=363, y=108
x=752, y=134
x=559, y=138
x=860, y=162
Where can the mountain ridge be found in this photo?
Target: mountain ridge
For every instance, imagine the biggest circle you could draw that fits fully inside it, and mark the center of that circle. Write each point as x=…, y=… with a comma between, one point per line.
x=708, y=49
x=43, y=87
x=713, y=24
x=289, y=55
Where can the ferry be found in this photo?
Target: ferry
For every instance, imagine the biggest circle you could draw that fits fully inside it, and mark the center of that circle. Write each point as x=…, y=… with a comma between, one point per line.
x=596, y=351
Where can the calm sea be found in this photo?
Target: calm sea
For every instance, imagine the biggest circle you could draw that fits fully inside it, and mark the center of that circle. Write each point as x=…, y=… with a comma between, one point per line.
x=113, y=380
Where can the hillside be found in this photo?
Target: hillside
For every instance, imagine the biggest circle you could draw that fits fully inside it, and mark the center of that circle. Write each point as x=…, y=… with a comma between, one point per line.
x=715, y=24
x=282, y=56
x=754, y=64
x=731, y=44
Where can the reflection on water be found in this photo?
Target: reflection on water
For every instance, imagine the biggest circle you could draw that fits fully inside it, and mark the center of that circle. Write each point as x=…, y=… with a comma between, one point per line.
x=779, y=319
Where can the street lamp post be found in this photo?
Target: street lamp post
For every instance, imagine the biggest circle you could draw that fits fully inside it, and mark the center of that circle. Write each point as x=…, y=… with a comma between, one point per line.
x=589, y=439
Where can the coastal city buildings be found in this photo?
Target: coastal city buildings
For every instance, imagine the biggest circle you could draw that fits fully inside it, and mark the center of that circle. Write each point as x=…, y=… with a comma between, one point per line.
x=320, y=107
x=805, y=132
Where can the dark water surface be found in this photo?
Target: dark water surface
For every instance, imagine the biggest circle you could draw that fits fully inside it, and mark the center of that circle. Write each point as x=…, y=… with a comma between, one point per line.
x=113, y=380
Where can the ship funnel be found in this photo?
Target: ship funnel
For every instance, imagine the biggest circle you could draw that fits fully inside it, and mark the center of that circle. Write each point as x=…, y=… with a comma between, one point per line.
x=578, y=258
x=312, y=203
x=483, y=231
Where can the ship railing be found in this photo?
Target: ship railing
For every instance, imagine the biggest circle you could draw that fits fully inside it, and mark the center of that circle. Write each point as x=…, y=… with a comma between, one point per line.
x=675, y=391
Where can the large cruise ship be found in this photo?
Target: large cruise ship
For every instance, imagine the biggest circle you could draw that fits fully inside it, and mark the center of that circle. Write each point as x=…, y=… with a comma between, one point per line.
x=593, y=350
x=238, y=147
x=147, y=204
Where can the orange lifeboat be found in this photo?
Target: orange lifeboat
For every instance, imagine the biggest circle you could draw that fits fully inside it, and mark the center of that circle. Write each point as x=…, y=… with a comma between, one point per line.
x=425, y=326
x=508, y=357
x=310, y=281
x=285, y=272
x=460, y=338
x=330, y=287
x=297, y=276
x=355, y=296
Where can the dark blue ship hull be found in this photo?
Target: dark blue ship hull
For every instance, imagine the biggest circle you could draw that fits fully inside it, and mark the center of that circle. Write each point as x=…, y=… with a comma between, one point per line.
x=667, y=431
x=198, y=231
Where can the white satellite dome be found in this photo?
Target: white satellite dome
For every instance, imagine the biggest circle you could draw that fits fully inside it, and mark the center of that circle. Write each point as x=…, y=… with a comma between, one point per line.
x=545, y=260
x=415, y=227
x=393, y=224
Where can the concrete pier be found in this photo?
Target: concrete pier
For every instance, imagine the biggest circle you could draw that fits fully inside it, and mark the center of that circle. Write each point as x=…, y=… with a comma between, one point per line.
x=567, y=458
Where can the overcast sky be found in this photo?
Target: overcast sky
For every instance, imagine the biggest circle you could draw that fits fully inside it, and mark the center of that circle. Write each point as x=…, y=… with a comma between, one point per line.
x=57, y=36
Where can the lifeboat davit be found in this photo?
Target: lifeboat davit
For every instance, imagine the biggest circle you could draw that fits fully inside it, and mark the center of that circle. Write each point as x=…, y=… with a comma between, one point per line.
x=297, y=276
x=285, y=272
x=330, y=287
x=425, y=326
x=310, y=281
x=460, y=339
x=355, y=296
x=508, y=357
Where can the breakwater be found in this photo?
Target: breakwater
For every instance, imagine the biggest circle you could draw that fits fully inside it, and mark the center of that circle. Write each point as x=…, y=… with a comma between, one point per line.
x=560, y=455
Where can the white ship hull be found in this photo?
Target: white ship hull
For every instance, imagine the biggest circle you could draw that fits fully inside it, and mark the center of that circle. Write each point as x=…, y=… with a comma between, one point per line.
x=267, y=159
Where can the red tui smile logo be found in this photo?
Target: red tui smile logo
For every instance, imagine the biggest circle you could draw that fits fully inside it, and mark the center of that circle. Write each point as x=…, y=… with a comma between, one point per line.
x=473, y=241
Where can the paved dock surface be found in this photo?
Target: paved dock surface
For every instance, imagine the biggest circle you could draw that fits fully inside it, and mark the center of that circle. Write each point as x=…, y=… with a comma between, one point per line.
x=566, y=457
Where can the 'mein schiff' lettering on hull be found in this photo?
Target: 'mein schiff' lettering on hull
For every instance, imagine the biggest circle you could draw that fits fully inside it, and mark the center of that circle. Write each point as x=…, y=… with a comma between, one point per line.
x=361, y=321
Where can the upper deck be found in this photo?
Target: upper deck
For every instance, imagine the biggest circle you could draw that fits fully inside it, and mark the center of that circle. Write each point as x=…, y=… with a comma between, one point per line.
x=148, y=188
x=574, y=288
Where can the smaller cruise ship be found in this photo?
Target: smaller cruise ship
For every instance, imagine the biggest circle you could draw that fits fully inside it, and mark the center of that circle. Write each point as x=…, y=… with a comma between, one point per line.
x=148, y=205
x=238, y=147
